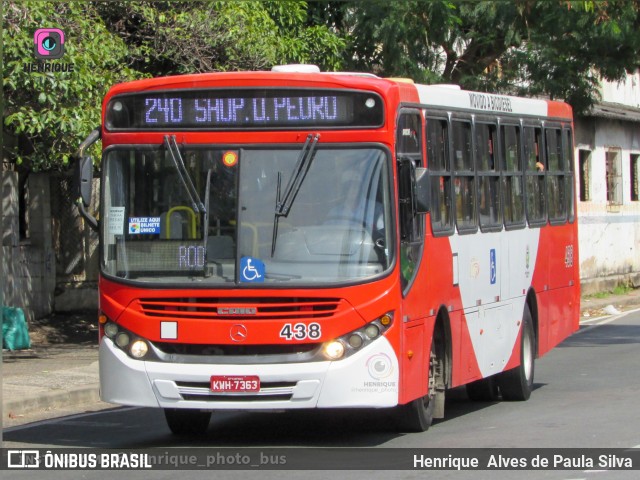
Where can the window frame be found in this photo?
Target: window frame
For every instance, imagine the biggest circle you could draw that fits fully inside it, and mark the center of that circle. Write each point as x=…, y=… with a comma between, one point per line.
x=555, y=175
x=494, y=174
x=468, y=174
x=441, y=176
x=533, y=174
x=516, y=173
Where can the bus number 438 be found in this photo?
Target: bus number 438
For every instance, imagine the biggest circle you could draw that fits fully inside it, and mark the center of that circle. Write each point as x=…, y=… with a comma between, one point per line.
x=301, y=331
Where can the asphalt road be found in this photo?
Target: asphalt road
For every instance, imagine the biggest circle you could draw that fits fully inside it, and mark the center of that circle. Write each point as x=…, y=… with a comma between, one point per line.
x=586, y=396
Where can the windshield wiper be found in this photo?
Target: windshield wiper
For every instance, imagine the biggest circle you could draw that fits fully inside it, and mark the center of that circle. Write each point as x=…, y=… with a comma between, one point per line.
x=284, y=202
x=194, y=198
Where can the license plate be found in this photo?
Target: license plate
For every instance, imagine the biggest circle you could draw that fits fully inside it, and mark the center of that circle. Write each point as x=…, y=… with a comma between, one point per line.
x=235, y=383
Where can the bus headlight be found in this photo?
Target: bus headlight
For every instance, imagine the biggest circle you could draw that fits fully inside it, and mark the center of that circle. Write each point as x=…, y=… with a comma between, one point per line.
x=334, y=350
x=372, y=331
x=139, y=349
x=353, y=341
x=110, y=330
x=122, y=340
x=133, y=345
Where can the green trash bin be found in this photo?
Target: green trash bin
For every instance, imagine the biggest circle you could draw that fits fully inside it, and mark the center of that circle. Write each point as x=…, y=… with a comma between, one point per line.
x=15, y=333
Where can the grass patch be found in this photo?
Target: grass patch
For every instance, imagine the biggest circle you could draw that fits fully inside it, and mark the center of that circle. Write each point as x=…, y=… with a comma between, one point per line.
x=621, y=289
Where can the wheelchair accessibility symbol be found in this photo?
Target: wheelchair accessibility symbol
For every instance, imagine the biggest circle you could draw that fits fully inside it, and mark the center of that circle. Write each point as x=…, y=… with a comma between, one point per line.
x=493, y=271
x=251, y=270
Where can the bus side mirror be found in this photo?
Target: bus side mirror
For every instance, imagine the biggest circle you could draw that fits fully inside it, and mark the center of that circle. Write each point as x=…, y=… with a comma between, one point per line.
x=84, y=180
x=422, y=190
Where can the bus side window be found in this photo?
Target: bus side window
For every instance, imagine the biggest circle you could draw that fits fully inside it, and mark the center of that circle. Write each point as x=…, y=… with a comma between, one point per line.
x=440, y=174
x=490, y=207
x=555, y=176
x=512, y=187
x=536, y=206
x=464, y=181
x=567, y=145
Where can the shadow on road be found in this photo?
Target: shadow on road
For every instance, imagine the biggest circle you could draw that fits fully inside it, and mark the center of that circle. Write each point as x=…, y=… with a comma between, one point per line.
x=146, y=428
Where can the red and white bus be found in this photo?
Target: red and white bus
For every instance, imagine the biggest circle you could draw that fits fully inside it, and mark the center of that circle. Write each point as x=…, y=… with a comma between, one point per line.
x=295, y=239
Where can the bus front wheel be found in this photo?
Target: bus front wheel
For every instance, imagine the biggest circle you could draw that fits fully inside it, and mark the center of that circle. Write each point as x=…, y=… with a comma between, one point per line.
x=417, y=416
x=517, y=383
x=187, y=422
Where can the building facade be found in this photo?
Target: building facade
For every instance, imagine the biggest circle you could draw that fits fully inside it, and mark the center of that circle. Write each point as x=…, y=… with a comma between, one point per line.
x=607, y=161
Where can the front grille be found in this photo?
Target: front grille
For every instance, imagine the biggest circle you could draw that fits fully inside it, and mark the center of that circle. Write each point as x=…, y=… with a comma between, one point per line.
x=269, y=392
x=235, y=350
x=259, y=308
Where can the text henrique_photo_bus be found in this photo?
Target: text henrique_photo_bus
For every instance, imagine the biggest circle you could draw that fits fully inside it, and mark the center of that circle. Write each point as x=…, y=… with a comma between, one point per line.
x=292, y=239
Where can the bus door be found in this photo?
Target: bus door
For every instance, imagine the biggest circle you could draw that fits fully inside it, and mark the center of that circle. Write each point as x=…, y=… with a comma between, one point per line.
x=415, y=334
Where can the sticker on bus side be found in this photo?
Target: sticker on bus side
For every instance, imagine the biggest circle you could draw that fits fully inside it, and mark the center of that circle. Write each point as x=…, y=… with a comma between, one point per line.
x=493, y=268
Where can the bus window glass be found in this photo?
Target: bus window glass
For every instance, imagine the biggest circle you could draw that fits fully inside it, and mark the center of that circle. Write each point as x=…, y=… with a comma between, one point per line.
x=512, y=187
x=441, y=220
x=554, y=149
x=465, y=204
x=439, y=169
x=489, y=206
x=160, y=230
x=409, y=134
x=484, y=147
x=511, y=147
x=536, y=205
x=555, y=176
x=437, y=144
x=532, y=143
x=462, y=160
x=568, y=157
x=464, y=171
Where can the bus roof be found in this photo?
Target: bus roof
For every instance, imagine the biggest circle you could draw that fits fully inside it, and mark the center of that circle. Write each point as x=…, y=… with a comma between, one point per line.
x=434, y=96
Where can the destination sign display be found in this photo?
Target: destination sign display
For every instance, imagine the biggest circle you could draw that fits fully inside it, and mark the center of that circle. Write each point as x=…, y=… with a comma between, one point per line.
x=216, y=109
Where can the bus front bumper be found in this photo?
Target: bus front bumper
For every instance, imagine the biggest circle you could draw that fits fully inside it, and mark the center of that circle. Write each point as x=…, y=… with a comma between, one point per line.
x=368, y=378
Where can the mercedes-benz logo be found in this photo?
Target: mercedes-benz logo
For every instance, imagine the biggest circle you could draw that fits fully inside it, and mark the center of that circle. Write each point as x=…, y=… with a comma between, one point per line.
x=238, y=333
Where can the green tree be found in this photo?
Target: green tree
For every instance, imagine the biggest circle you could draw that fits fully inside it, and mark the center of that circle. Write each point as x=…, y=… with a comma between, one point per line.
x=188, y=37
x=527, y=47
x=49, y=113
x=109, y=42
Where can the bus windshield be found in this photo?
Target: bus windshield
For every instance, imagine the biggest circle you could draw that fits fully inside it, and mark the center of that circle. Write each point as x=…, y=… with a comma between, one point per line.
x=207, y=215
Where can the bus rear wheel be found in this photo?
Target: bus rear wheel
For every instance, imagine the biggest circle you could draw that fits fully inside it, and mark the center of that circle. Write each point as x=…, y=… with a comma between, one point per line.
x=517, y=383
x=187, y=422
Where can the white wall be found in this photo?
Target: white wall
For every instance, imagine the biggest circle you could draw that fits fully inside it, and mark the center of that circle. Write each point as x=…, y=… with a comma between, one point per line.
x=609, y=235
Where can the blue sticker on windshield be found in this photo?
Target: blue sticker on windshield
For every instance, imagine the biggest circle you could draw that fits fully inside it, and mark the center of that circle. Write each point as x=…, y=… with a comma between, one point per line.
x=251, y=270
x=144, y=225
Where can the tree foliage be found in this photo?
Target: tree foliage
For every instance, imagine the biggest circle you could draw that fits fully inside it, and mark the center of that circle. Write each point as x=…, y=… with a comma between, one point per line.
x=555, y=48
x=528, y=47
x=49, y=113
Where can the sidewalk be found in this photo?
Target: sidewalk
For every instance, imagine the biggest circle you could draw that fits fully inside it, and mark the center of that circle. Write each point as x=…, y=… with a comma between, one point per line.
x=66, y=374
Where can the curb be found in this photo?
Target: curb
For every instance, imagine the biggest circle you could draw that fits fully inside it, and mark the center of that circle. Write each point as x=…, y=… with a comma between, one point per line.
x=68, y=398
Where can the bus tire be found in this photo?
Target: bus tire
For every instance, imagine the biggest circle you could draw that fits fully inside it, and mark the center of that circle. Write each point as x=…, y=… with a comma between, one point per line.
x=418, y=415
x=516, y=384
x=187, y=422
